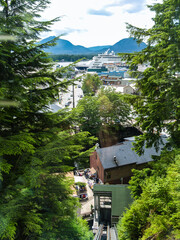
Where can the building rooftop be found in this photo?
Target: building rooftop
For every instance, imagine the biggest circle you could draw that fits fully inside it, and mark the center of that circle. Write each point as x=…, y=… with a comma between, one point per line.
x=124, y=155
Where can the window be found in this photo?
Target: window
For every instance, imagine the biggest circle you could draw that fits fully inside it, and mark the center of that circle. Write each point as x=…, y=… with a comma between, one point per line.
x=108, y=175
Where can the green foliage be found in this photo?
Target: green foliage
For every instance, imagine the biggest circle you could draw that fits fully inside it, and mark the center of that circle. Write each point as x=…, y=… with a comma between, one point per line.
x=35, y=196
x=81, y=184
x=107, y=108
x=71, y=229
x=137, y=181
x=155, y=214
x=158, y=105
x=37, y=147
x=158, y=168
x=87, y=114
x=113, y=108
x=90, y=85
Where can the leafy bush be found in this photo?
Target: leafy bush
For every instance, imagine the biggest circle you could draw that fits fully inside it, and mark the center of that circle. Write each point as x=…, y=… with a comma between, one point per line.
x=155, y=214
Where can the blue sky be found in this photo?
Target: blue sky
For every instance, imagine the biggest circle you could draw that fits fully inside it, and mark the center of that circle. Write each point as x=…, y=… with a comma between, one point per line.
x=97, y=22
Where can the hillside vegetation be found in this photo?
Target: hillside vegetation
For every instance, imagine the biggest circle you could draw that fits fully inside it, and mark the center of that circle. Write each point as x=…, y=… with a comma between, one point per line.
x=155, y=212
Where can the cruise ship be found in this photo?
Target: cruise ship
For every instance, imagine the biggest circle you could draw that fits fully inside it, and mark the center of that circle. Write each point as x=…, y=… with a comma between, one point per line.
x=101, y=62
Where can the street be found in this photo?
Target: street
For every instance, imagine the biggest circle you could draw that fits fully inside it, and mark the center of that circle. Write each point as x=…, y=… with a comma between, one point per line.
x=86, y=204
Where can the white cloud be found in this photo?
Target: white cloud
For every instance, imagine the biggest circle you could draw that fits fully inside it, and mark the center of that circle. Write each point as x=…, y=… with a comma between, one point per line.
x=97, y=22
x=134, y=6
x=101, y=12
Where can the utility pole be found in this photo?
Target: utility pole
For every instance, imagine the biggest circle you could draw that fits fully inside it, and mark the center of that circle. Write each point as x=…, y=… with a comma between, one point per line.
x=73, y=96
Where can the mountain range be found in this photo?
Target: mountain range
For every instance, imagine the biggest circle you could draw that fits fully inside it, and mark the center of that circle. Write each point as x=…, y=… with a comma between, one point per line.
x=126, y=45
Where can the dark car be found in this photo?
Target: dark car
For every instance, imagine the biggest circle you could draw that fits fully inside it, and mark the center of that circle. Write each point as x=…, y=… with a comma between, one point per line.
x=83, y=196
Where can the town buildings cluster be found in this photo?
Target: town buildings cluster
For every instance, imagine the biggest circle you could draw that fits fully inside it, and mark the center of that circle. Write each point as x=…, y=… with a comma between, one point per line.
x=112, y=164
x=111, y=69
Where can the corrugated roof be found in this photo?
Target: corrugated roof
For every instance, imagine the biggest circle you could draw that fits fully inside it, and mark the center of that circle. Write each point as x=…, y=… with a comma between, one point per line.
x=124, y=155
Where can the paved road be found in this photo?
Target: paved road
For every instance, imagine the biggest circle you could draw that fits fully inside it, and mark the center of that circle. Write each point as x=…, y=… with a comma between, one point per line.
x=86, y=205
x=68, y=96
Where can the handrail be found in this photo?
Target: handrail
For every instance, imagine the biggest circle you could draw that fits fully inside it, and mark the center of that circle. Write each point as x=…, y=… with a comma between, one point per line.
x=99, y=232
x=115, y=229
x=108, y=233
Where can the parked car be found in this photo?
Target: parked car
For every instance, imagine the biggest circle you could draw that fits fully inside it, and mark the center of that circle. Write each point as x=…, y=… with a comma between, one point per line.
x=83, y=196
x=81, y=190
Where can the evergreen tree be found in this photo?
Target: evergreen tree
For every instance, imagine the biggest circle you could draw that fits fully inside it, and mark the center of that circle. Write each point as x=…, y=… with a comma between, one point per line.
x=155, y=213
x=35, y=150
x=158, y=105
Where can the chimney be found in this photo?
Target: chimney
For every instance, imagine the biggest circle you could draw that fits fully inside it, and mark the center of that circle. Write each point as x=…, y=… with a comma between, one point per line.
x=115, y=160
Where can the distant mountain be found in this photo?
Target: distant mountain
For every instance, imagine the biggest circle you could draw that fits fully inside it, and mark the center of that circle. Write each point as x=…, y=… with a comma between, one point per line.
x=65, y=47
x=126, y=45
x=47, y=39
x=99, y=48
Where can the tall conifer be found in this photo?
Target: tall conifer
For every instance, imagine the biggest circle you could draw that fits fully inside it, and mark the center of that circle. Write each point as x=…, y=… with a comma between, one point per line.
x=158, y=105
x=35, y=197
x=155, y=212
